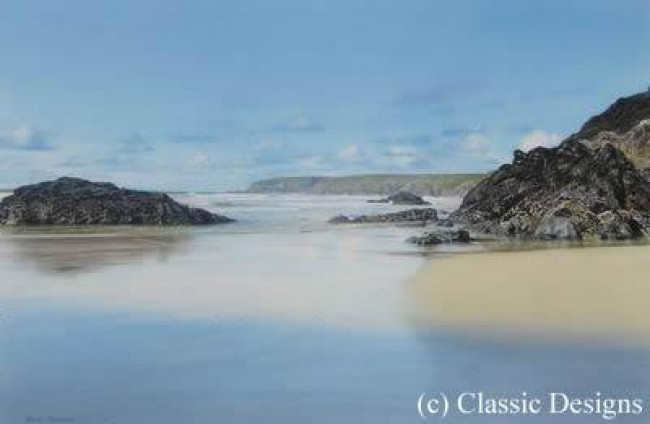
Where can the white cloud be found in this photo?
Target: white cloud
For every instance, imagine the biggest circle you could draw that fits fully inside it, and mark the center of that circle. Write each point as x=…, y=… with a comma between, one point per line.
x=198, y=162
x=539, y=138
x=351, y=153
x=481, y=147
x=24, y=137
x=477, y=144
x=310, y=162
x=20, y=135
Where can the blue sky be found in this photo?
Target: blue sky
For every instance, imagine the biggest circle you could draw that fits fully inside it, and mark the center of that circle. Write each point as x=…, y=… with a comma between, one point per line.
x=198, y=94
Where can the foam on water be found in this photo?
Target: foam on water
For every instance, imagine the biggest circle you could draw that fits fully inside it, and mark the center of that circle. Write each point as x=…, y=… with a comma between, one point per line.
x=280, y=261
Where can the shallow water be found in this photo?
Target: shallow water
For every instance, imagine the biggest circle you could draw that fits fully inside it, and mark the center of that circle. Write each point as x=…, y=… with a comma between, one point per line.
x=279, y=318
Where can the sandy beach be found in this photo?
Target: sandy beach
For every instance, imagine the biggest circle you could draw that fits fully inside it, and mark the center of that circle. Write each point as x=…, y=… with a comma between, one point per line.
x=173, y=323
x=592, y=292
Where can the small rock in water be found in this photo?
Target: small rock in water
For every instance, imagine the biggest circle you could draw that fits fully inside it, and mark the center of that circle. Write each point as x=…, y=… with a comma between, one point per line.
x=402, y=198
x=340, y=219
x=440, y=236
x=410, y=215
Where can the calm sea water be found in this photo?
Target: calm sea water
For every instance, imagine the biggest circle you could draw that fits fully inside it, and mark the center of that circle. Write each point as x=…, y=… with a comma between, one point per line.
x=279, y=318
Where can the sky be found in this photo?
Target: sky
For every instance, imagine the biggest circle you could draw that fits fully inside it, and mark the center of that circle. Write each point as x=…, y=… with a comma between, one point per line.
x=212, y=94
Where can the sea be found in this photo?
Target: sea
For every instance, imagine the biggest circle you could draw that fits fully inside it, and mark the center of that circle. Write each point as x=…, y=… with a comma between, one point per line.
x=277, y=318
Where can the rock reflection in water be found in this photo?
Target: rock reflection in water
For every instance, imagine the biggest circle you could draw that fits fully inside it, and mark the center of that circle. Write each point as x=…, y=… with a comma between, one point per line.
x=78, y=252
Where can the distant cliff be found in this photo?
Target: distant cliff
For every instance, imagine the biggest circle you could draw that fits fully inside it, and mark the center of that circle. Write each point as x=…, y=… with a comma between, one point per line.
x=380, y=184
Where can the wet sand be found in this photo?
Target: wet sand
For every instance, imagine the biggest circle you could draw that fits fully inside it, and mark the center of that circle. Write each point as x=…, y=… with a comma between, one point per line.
x=169, y=326
x=571, y=293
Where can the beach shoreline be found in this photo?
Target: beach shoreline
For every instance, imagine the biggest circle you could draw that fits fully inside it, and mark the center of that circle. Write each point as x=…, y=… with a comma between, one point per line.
x=595, y=292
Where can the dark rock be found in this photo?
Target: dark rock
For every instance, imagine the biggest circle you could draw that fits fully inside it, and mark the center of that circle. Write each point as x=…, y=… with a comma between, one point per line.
x=411, y=215
x=570, y=220
x=615, y=225
x=74, y=201
x=646, y=173
x=341, y=219
x=625, y=125
x=620, y=117
x=556, y=193
x=402, y=198
x=440, y=236
x=557, y=228
x=635, y=144
x=596, y=183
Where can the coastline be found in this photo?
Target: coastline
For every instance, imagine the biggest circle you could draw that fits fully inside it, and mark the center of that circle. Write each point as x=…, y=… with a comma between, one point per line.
x=594, y=293
x=323, y=308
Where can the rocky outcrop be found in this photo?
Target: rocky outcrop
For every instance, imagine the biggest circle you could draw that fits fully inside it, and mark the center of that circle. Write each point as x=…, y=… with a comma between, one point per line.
x=440, y=236
x=594, y=184
x=622, y=116
x=74, y=201
x=619, y=225
x=411, y=215
x=635, y=144
x=402, y=198
x=568, y=192
x=626, y=126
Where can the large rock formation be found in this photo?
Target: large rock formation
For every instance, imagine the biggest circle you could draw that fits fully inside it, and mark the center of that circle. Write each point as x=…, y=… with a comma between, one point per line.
x=626, y=126
x=622, y=116
x=635, y=144
x=74, y=201
x=567, y=192
x=584, y=187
